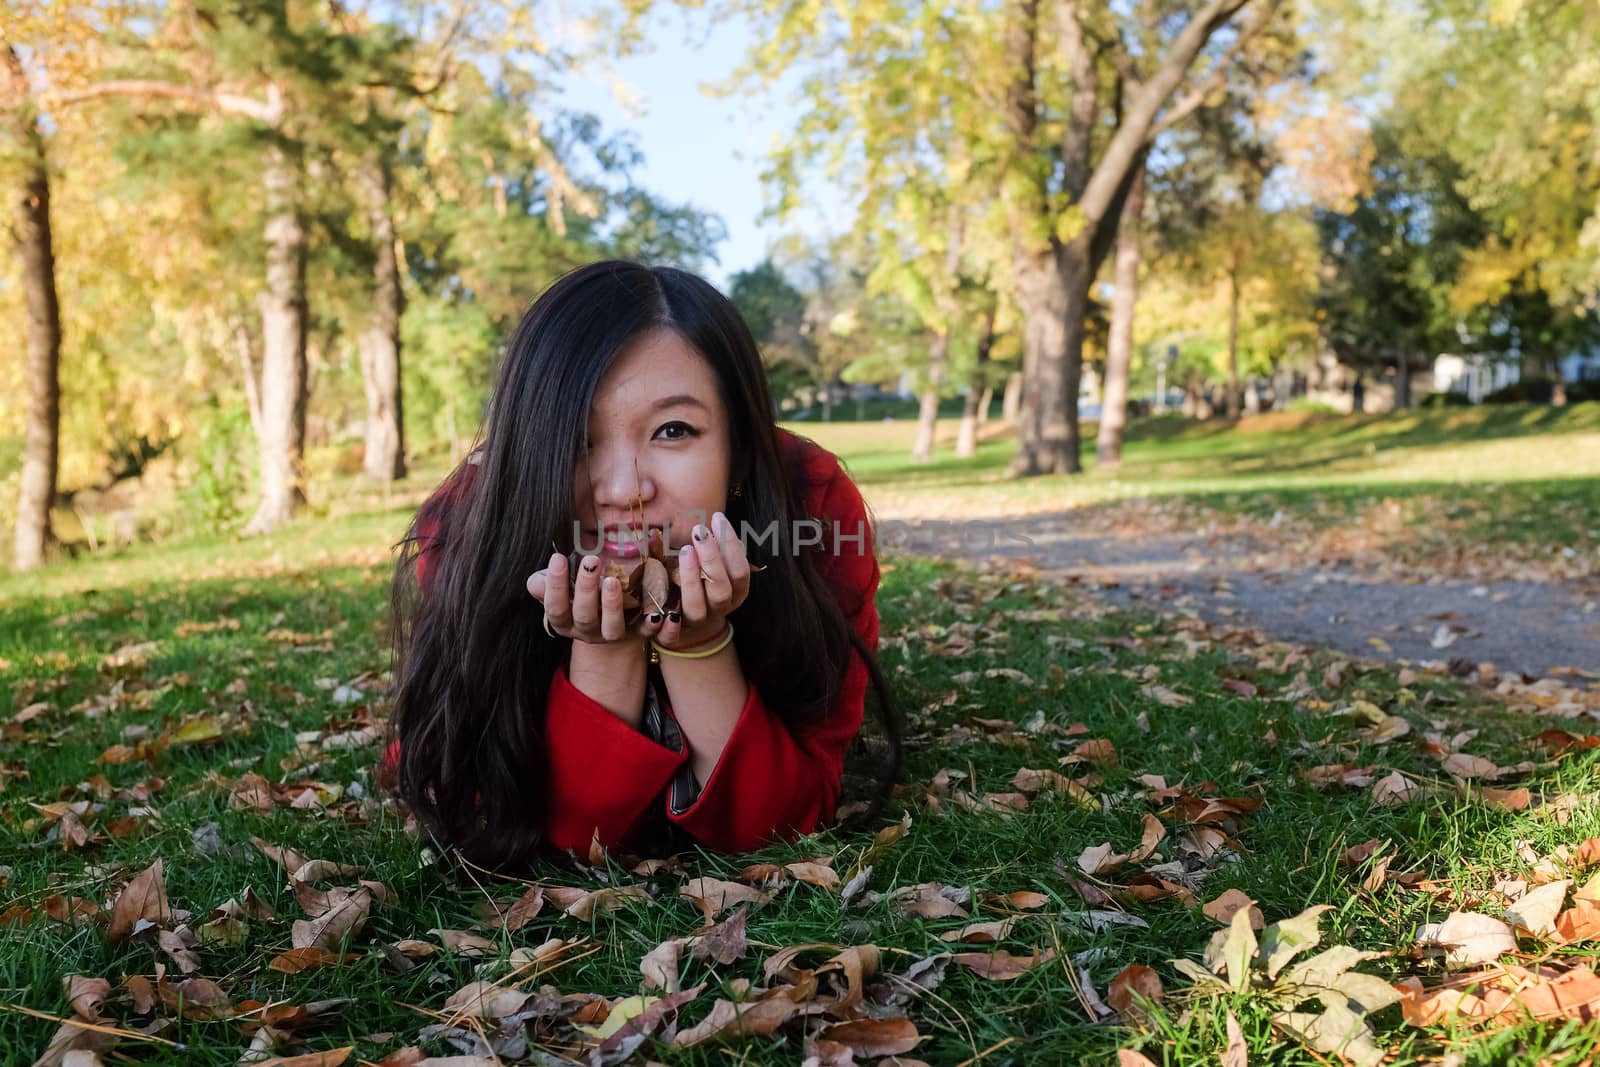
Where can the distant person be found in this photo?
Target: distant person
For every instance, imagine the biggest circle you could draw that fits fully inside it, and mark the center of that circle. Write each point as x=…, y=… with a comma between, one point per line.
x=632, y=421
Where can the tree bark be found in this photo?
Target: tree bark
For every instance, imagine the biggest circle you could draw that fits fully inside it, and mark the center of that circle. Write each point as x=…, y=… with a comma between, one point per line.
x=1011, y=402
x=978, y=391
x=1119, y=347
x=1233, y=344
x=36, y=250
x=928, y=410
x=283, y=358
x=1054, y=306
x=380, y=343
x=1402, y=382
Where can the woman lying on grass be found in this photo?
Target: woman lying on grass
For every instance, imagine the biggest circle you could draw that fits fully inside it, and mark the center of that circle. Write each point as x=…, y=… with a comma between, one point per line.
x=546, y=699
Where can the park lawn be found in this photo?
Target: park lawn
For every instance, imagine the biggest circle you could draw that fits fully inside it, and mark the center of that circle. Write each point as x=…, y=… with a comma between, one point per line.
x=1520, y=475
x=998, y=672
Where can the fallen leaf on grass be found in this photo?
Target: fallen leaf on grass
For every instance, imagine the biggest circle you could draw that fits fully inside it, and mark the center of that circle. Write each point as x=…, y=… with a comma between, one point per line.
x=1462, y=765
x=86, y=995
x=981, y=933
x=1000, y=965
x=1519, y=799
x=1467, y=937
x=1394, y=789
x=932, y=900
x=1162, y=695
x=143, y=899
x=308, y=959
x=1536, y=912
x=724, y=942
x=758, y=1018
x=464, y=943
x=485, y=1000
x=875, y=1037
x=1237, y=1054
x=584, y=905
x=1134, y=984
x=346, y=918
x=1223, y=908
x=814, y=873
x=332, y=1058
x=713, y=896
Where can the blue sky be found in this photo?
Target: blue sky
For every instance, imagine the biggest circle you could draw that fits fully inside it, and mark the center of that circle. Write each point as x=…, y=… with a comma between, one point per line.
x=698, y=150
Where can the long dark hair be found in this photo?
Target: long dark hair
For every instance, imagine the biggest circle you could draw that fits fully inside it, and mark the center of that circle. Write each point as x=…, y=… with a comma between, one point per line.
x=472, y=661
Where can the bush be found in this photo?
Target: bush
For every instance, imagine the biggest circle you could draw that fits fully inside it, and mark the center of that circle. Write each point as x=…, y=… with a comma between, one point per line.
x=1445, y=400
x=217, y=452
x=1527, y=391
x=1584, y=392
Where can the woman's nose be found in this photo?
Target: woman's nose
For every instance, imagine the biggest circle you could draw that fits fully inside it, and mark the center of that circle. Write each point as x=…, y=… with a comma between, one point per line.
x=618, y=481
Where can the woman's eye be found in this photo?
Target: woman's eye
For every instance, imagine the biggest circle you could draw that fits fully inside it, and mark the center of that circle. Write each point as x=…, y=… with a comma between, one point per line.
x=676, y=431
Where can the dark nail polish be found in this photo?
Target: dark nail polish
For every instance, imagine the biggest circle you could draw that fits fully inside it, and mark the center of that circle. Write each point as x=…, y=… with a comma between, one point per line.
x=675, y=616
x=701, y=533
x=655, y=617
x=589, y=566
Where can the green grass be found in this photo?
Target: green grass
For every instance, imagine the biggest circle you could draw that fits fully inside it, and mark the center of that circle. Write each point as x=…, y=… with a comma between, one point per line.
x=309, y=606
x=1512, y=473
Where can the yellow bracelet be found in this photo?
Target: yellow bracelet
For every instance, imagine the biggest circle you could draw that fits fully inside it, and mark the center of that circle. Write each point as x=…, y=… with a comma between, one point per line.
x=657, y=650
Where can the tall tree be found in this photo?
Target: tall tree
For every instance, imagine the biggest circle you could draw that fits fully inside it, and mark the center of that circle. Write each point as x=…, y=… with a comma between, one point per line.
x=31, y=230
x=1119, y=347
x=1027, y=87
x=1391, y=262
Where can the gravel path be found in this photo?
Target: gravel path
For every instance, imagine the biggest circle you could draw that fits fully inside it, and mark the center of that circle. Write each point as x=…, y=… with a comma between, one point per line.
x=1529, y=627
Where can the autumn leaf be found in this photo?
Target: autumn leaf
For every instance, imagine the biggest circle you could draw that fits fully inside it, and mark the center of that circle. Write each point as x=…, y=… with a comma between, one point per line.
x=1000, y=965
x=875, y=1037
x=1223, y=908
x=1134, y=987
x=297, y=960
x=1466, y=937
x=713, y=896
x=143, y=899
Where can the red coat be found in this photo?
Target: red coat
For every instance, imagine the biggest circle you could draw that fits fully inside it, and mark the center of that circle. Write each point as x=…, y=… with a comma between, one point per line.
x=603, y=775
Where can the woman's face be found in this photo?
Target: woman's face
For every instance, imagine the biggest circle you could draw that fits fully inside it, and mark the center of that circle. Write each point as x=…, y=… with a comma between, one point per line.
x=658, y=444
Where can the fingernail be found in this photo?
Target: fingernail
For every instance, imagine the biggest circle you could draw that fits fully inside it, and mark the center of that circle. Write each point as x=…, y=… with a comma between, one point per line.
x=675, y=616
x=655, y=617
x=558, y=562
x=686, y=552
x=700, y=532
x=591, y=564
x=611, y=585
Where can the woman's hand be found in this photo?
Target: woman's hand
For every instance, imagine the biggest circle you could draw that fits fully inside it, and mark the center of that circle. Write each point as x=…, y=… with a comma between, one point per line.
x=591, y=609
x=714, y=580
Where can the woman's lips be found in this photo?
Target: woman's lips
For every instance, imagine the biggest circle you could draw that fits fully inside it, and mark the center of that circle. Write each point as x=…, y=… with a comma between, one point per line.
x=629, y=546
x=622, y=549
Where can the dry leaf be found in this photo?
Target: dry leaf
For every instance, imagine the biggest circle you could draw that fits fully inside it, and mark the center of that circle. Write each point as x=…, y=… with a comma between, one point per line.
x=1467, y=937
x=1222, y=909
x=86, y=995
x=713, y=896
x=1536, y=912
x=143, y=898
x=875, y=1037
x=1001, y=965
x=1133, y=984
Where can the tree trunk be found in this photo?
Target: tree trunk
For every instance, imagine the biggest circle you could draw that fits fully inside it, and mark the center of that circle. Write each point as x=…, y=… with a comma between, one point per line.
x=928, y=410
x=1402, y=382
x=1011, y=402
x=984, y=405
x=1053, y=292
x=283, y=358
x=1233, y=344
x=42, y=441
x=978, y=391
x=1119, y=347
x=380, y=344
x=827, y=402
